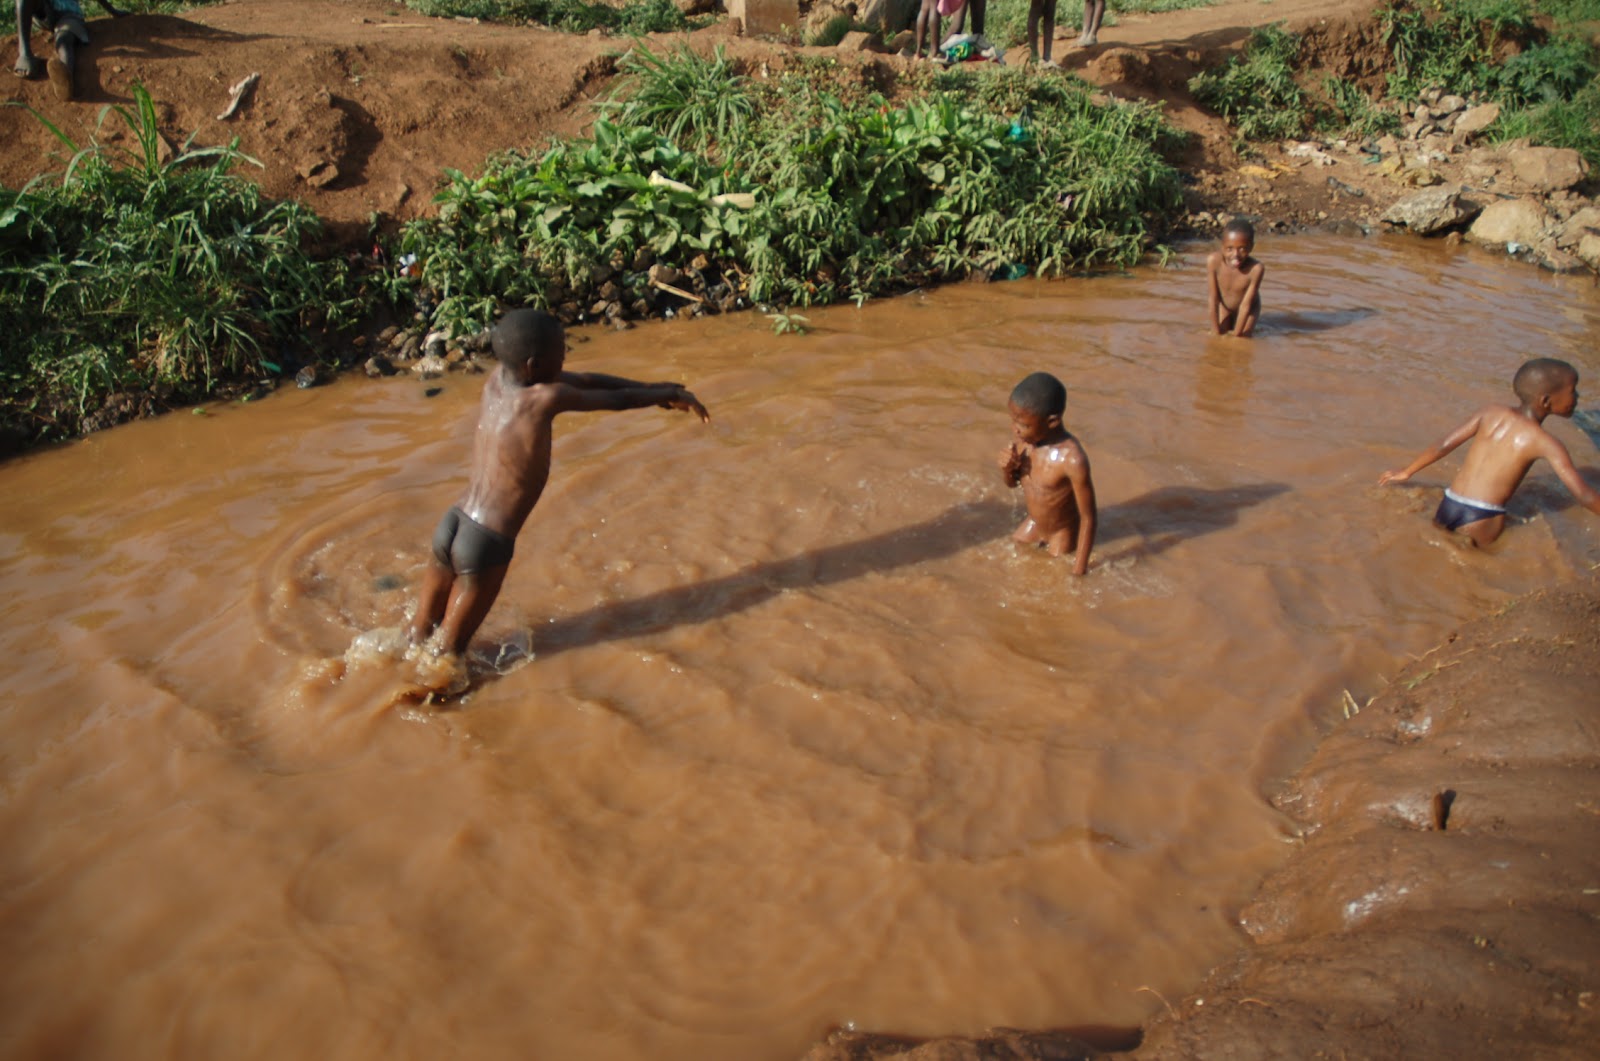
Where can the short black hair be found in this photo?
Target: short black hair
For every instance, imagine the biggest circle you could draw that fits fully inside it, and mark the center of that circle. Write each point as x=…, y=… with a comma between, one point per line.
x=1040, y=394
x=1542, y=376
x=524, y=335
x=1241, y=226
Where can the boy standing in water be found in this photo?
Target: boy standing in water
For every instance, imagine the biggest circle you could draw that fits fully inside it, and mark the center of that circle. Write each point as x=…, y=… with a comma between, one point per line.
x=1235, y=295
x=510, y=465
x=1052, y=469
x=1506, y=442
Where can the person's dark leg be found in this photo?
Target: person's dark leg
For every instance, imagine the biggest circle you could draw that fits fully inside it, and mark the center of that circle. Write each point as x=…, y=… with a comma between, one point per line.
x=1048, y=31
x=28, y=64
x=63, y=66
x=979, y=9
x=470, y=600
x=1035, y=9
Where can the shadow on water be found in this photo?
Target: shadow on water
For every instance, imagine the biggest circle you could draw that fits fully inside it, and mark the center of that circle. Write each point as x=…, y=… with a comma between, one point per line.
x=1297, y=322
x=960, y=527
x=1171, y=514
x=1161, y=519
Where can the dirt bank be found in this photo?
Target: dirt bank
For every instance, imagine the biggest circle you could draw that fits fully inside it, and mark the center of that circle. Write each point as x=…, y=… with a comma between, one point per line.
x=1445, y=900
x=362, y=106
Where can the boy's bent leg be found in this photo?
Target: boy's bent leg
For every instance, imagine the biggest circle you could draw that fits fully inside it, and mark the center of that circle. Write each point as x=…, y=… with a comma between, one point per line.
x=1484, y=531
x=470, y=600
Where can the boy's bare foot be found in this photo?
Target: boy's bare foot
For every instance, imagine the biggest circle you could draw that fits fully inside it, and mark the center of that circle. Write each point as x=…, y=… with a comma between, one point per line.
x=29, y=66
x=60, y=79
x=1049, y=64
x=1089, y=40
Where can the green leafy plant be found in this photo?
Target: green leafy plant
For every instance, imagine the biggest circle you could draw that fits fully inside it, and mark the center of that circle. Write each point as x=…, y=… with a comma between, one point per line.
x=810, y=197
x=1257, y=90
x=132, y=272
x=1448, y=44
x=694, y=101
x=788, y=323
x=1353, y=113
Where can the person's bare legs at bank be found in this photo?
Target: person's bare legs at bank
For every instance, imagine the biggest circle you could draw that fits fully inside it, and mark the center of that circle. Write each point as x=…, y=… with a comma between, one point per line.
x=1041, y=16
x=1094, y=12
x=68, y=28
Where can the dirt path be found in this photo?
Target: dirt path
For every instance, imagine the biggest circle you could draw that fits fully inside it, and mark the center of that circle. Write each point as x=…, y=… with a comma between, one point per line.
x=363, y=105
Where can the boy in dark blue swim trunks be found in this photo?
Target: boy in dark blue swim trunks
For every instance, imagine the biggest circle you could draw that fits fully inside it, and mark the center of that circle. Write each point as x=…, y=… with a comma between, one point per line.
x=510, y=465
x=1506, y=442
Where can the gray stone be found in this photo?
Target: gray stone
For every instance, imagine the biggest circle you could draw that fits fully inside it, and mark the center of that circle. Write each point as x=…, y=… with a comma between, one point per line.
x=1430, y=211
x=431, y=367
x=1547, y=169
x=1519, y=221
x=1449, y=105
x=1557, y=260
x=1475, y=120
x=856, y=41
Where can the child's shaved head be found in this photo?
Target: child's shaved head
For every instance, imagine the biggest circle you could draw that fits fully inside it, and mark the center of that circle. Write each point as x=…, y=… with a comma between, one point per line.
x=1241, y=227
x=1040, y=394
x=1542, y=376
x=525, y=335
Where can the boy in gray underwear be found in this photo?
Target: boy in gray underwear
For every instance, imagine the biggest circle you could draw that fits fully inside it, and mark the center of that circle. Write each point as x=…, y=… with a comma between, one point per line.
x=510, y=465
x=1506, y=442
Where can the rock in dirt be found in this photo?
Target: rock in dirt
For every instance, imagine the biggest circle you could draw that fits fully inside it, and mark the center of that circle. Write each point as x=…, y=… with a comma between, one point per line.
x=1433, y=210
x=1519, y=221
x=1589, y=251
x=1547, y=169
x=1583, y=223
x=431, y=367
x=1476, y=119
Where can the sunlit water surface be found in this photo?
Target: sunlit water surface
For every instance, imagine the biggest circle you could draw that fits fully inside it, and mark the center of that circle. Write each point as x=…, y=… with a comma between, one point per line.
x=805, y=740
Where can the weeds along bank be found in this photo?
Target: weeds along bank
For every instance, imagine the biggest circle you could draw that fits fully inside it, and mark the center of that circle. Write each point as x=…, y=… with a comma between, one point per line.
x=705, y=188
x=1537, y=61
x=133, y=282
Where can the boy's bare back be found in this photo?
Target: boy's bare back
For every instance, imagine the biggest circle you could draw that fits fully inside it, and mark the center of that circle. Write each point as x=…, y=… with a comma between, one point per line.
x=1506, y=441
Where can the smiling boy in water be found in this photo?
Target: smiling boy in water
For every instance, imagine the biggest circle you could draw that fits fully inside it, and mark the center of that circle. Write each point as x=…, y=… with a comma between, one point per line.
x=1235, y=278
x=1505, y=443
x=1052, y=469
x=510, y=464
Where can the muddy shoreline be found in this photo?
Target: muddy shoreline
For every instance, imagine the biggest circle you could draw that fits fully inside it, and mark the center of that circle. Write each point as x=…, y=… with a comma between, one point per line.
x=1444, y=897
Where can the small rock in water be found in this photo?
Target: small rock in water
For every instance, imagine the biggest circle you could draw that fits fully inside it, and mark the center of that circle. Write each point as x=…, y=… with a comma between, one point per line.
x=309, y=376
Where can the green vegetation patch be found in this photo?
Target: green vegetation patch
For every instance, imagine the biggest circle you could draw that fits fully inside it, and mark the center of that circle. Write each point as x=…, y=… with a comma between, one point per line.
x=783, y=192
x=571, y=16
x=137, y=274
x=1257, y=90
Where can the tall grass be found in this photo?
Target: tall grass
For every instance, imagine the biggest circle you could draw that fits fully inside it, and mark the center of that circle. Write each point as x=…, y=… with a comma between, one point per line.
x=130, y=272
x=810, y=198
x=1257, y=90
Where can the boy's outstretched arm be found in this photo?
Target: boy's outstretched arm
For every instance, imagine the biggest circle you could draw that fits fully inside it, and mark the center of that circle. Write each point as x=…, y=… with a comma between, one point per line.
x=601, y=381
x=1088, y=514
x=632, y=396
x=1433, y=453
x=1567, y=472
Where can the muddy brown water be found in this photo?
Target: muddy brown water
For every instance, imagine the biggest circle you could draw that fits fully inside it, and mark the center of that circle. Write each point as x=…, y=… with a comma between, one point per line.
x=804, y=741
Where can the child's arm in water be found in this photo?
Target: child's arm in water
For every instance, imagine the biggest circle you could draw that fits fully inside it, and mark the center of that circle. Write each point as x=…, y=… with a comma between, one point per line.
x=1214, y=291
x=1244, y=317
x=1560, y=460
x=1434, y=452
x=1088, y=513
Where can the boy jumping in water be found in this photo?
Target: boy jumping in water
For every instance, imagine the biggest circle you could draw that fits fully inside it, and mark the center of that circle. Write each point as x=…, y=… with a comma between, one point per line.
x=1052, y=469
x=1235, y=295
x=510, y=465
x=1506, y=442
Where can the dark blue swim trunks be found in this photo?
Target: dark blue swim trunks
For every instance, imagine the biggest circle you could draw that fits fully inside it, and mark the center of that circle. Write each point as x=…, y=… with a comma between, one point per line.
x=1456, y=511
